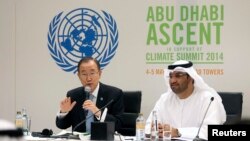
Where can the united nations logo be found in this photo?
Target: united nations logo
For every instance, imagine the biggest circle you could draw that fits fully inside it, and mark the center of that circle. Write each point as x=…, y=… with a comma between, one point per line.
x=82, y=32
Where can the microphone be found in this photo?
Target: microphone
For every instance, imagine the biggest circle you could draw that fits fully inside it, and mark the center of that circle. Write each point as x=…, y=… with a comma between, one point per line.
x=87, y=90
x=197, y=138
x=90, y=116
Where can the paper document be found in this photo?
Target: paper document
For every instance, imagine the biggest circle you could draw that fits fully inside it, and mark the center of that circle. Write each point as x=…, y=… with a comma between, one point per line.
x=104, y=114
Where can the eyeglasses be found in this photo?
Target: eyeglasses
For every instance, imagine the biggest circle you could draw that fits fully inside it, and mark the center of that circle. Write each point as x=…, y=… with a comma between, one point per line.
x=177, y=75
x=91, y=74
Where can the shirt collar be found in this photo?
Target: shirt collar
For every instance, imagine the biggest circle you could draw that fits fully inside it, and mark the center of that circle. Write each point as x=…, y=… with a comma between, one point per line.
x=95, y=92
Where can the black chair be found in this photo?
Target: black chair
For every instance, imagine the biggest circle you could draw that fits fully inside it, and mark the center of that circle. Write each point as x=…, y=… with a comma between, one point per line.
x=132, y=104
x=232, y=102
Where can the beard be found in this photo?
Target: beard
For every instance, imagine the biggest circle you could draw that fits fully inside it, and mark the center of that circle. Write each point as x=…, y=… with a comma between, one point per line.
x=179, y=88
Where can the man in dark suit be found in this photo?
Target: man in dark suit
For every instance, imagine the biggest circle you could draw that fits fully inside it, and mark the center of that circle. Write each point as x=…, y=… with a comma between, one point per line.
x=76, y=106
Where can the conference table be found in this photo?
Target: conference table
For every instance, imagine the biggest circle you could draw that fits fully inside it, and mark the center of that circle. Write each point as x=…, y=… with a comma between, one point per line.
x=117, y=138
x=30, y=138
x=64, y=135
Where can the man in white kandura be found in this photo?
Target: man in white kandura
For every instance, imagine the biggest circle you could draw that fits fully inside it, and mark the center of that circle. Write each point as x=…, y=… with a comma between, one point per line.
x=186, y=102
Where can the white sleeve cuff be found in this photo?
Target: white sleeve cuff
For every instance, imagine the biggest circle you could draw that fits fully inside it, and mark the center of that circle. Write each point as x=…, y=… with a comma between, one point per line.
x=61, y=115
x=188, y=132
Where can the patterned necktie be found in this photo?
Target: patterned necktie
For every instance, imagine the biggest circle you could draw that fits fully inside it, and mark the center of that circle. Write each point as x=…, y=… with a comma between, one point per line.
x=89, y=116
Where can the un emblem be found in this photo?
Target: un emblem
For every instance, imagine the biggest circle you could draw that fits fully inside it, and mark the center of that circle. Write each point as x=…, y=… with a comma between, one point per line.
x=82, y=32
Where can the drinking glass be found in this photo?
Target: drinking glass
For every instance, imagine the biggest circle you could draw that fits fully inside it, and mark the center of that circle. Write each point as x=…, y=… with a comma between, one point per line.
x=28, y=126
x=166, y=132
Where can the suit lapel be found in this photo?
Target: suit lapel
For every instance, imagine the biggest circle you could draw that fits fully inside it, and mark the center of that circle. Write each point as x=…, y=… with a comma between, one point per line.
x=101, y=97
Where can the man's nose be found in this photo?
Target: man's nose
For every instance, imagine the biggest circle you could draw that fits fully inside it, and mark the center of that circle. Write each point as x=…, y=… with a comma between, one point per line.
x=172, y=80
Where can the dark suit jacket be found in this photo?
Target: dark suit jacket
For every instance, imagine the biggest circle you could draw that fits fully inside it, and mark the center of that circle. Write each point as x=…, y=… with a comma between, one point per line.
x=77, y=114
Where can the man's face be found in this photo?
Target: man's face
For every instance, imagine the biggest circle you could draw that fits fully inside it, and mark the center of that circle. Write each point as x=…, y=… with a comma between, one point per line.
x=89, y=74
x=179, y=81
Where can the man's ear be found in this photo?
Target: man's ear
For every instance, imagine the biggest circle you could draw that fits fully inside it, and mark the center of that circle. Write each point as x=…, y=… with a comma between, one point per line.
x=191, y=79
x=79, y=77
x=100, y=73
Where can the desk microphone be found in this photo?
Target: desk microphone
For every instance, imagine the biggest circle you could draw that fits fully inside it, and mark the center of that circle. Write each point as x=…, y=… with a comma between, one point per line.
x=90, y=116
x=197, y=138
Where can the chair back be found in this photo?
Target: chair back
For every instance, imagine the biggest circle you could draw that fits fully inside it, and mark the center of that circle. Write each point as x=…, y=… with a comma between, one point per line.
x=132, y=104
x=232, y=102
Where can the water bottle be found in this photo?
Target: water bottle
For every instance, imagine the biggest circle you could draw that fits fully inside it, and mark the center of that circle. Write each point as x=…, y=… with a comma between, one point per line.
x=154, y=128
x=140, y=128
x=25, y=121
x=19, y=120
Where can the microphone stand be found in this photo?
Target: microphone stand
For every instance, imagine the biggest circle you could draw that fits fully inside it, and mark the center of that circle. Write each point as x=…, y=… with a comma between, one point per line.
x=197, y=138
x=76, y=137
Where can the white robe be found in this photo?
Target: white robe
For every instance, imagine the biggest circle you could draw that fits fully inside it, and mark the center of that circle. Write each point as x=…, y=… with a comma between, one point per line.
x=187, y=114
